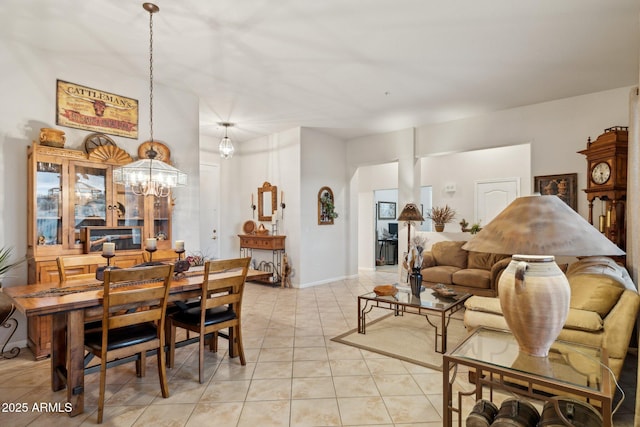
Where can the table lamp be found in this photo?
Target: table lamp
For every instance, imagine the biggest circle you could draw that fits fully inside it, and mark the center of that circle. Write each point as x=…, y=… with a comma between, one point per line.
x=410, y=213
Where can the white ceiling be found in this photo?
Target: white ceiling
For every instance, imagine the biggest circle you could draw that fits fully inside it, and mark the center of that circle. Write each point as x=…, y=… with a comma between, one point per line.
x=355, y=67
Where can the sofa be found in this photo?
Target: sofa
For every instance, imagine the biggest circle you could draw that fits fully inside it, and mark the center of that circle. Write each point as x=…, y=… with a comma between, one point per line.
x=465, y=271
x=603, y=308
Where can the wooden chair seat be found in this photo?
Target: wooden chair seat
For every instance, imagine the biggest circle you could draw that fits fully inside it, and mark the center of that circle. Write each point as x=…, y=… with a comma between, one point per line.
x=122, y=337
x=211, y=317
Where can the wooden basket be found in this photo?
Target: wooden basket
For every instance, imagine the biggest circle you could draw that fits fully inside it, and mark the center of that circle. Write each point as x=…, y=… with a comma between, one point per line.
x=385, y=290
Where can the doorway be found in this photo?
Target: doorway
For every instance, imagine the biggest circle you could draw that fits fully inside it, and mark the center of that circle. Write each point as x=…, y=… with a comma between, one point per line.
x=209, y=201
x=386, y=228
x=493, y=195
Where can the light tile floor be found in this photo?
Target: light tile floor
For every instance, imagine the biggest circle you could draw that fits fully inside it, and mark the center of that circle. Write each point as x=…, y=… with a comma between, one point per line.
x=295, y=376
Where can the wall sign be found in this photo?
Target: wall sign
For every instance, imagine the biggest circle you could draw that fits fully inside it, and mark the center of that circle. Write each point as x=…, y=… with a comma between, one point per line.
x=85, y=108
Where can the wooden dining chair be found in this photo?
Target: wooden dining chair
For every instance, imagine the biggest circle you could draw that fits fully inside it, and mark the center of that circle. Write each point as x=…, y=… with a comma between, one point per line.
x=220, y=308
x=126, y=333
x=73, y=267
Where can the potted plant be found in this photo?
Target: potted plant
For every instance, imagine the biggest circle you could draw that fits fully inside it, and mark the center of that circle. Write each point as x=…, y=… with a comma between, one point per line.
x=5, y=263
x=441, y=216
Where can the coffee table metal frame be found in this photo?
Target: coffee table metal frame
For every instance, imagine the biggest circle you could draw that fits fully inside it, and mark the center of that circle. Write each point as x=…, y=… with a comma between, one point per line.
x=405, y=302
x=519, y=377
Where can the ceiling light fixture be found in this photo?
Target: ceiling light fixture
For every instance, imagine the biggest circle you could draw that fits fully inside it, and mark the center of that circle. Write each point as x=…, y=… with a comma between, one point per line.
x=150, y=177
x=226, y=147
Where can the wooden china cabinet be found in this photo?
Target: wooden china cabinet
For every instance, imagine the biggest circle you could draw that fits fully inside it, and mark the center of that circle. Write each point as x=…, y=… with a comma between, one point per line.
x=69, y=192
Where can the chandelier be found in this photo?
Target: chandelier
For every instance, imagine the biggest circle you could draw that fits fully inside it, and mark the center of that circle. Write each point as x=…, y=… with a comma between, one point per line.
x=226, y=147
x=150, y=177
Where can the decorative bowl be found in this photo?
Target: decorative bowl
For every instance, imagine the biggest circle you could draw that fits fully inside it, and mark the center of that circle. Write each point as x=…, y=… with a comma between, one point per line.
x=385, y=290
x=444, y=291
x=262, y=231
x=52, y=137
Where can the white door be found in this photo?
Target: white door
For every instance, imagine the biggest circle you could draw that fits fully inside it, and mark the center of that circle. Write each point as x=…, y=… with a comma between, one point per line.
x=209, y=200
x=493, y=195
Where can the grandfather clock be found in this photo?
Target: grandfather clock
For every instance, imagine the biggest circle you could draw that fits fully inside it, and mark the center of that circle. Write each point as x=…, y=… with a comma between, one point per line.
x=607, y=181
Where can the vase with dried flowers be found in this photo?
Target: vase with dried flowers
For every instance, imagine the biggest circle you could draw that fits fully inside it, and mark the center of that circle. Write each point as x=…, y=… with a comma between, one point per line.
x=414, y=261
x=441, y=216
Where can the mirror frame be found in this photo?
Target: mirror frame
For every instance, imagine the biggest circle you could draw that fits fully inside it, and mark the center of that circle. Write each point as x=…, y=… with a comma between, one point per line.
x=267, y=188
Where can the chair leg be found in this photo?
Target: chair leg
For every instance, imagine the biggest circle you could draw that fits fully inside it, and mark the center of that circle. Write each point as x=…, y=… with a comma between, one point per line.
x=103, y=380
x=201, y=358
x=213, y=342
x=172, y=343
x=238, y=343
x=141, y=364
x=162, y=371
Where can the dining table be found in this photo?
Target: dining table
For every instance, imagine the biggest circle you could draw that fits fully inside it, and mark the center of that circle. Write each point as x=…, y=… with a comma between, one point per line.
x=72, y=302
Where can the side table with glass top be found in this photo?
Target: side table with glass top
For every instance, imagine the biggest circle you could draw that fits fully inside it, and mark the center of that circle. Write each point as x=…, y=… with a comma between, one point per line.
x=405, y=302
x=570, y=369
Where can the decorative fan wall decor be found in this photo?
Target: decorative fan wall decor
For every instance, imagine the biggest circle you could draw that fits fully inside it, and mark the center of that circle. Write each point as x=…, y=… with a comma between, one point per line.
x=111, y=154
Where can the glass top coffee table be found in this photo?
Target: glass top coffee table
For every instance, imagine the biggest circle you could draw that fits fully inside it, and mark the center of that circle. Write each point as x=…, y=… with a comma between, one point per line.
x=569, y=369
x=405, y=302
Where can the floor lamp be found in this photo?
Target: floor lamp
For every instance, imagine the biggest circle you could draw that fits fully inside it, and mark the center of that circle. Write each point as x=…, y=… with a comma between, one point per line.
x=410, y=213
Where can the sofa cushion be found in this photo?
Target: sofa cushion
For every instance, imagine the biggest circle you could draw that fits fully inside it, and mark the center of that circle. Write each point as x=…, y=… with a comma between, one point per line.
x=484, y=304
x=594, y=292
x=450, y=253
x=473, y=278
x=583, y=320
x=580, y=320
x=440, y=274
x=483, y=260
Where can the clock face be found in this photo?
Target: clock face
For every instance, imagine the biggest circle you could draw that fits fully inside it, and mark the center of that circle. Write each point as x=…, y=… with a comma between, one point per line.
x=601, y=173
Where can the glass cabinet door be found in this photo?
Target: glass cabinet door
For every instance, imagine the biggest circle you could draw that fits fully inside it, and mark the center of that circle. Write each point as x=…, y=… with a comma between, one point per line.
x=49, y=203
x=89, y=184
x=129, y=207
x=162, y=218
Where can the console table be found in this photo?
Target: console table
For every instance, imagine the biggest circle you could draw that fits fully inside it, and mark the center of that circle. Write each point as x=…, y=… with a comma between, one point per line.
x=275, y=244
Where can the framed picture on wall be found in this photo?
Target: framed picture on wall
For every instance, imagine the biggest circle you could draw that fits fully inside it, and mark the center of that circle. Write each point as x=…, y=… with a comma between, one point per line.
x=386, y=210
x=564, y=186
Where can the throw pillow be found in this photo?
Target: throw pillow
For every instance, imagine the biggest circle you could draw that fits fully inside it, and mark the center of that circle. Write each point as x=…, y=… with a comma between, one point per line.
x=450, y=253
x=594, y=292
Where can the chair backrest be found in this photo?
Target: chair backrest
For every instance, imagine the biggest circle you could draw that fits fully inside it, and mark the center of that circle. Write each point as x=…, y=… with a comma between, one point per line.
x=223, y=284
x=161, y=255
x=149, y=289
x=78, y=266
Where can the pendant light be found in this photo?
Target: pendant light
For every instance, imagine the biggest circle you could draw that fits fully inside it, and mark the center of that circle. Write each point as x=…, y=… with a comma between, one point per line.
x=226, y=147
x=150, y=177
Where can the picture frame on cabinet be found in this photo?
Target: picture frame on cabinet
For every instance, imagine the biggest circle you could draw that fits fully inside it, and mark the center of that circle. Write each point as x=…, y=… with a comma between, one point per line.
x=564, y=186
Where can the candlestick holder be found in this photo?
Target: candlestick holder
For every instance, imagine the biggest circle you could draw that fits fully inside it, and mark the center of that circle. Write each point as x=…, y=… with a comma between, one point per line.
x=179, y=252
x=108, y=257
x=100, y=270
x=282, y=205
x=253, y=210
x=151, y=251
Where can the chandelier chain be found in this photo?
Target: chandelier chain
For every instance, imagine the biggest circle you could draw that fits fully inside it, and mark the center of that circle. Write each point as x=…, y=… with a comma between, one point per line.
x=151, y=74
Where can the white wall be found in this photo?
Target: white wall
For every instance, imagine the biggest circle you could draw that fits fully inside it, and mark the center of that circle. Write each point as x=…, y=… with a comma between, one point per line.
x=556, y=130
x=274, y=159
x=464, y=169
x=323, y=248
